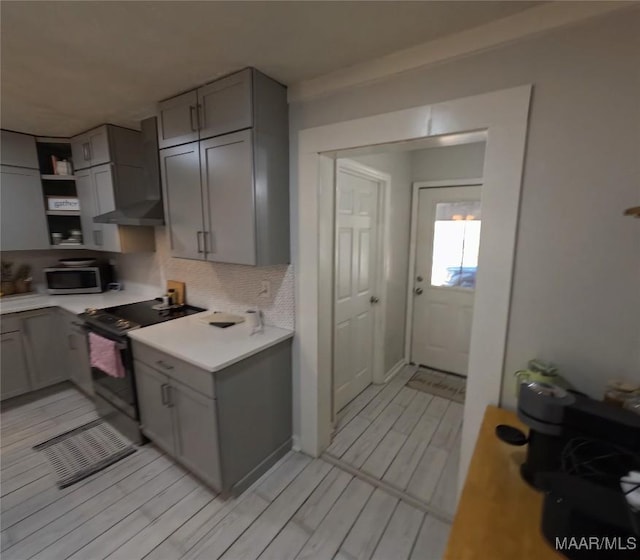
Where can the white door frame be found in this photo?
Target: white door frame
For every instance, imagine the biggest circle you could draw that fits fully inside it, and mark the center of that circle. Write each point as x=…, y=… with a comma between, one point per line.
x=382, y=261
x=504, y=115
x=413, y=247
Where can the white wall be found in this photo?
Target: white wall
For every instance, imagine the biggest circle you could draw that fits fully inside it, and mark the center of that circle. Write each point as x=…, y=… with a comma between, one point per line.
x=215, y=286
x=398, y=166
x=575, y=296
x=465, y=161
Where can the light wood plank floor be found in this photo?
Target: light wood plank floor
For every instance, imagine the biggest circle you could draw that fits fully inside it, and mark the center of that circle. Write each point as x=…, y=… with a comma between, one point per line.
x=146, y=506
x=404, y=440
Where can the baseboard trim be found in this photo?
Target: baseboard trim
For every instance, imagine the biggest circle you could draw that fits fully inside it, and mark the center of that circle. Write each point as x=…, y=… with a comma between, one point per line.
x=394, y=370
x=388, y=488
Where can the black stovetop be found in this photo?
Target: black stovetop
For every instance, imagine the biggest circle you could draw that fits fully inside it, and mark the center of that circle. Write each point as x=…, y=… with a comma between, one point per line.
x=122, y=318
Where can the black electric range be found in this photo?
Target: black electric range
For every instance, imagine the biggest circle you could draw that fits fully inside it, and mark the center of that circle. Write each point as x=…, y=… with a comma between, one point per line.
x=115, y=397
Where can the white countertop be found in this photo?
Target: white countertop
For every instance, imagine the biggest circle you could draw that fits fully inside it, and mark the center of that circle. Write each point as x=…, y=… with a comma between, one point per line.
x=205, y=346
x=76, y=303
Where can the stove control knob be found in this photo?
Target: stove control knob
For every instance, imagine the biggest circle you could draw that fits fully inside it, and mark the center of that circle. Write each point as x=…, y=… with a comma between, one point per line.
x=91, y=311
x=122, y=324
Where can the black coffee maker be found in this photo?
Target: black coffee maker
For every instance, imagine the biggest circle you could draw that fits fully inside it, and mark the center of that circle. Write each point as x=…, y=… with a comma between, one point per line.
x=579, y=449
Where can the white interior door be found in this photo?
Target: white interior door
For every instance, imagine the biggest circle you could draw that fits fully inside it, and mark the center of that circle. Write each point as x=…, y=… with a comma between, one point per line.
x=446, y=261
x=356, y=252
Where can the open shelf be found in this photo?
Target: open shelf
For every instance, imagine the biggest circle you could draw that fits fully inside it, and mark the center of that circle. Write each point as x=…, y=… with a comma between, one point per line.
x=63, y=212
x=68, y=246
x=58, y=177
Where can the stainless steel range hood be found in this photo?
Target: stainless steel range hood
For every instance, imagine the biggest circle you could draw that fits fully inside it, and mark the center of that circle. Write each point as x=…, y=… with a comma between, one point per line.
x=140, y=204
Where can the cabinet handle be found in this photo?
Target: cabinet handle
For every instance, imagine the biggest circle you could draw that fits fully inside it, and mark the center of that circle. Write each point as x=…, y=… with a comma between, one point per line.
x=163, y=394
x=164, y=364
x=169, y=396
x=193, y=118
x=198, y=234
x=86, y=151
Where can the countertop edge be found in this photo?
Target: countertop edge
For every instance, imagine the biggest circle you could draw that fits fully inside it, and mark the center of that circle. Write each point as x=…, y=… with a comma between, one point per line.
x=136, y=335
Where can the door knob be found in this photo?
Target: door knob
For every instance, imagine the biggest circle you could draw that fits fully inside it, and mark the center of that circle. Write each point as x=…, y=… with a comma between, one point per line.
x=418, y=291
x=374, y=299
x=419, y=279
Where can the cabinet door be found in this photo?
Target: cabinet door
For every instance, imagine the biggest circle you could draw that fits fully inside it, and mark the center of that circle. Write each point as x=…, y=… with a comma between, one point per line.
x=81, y=152
x=183, y=207
x=178, y=120
x=108, y=238
x=18, y=150
x=77, y=360
x=14, y=377
x=196, y=432
x=23, y=222
x=225, y=105
x=155, y=415
x=41, y=333
x=88, y=209
x=99, y=146
x=227, y=179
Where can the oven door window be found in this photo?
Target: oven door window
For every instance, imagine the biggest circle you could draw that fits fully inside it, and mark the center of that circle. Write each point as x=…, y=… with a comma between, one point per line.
x=72, y=279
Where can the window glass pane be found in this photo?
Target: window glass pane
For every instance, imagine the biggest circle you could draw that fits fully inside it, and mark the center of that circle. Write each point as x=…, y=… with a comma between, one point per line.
x=456, y=240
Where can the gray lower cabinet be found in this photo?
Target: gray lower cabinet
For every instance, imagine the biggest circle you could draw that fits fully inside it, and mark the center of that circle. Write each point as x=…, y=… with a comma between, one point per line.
x=42, y=346
x=180, y=421
x=226, y=427
x=23, y=222
x=196, y=432
x=75, y=349
x=156, y=417
x=32, y=354
x=14, y=376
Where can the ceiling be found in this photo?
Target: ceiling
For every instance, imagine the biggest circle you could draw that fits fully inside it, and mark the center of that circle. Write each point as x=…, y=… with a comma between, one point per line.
x=69, y=66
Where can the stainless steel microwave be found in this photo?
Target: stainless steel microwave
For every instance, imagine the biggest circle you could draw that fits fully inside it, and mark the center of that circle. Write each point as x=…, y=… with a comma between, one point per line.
x=78, y=280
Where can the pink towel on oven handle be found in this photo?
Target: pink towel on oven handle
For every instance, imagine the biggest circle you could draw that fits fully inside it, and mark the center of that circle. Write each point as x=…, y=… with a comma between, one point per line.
x=105, y=355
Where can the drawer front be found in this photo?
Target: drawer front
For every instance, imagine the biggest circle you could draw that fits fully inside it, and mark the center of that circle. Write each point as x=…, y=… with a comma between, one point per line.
x=9, y=323
x=197, y=379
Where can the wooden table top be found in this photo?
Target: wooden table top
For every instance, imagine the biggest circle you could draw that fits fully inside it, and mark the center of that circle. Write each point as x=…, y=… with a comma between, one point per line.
x=499, y=515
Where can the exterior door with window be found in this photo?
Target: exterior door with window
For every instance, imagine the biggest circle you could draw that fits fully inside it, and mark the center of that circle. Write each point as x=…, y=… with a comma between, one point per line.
x=356, y=252
x=446, y=263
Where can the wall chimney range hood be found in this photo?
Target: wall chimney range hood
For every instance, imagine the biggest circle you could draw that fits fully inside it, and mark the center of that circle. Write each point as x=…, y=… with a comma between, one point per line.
x=140, y=205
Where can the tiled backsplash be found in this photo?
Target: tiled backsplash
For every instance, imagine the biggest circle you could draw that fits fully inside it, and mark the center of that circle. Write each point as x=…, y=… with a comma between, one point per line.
x=216, y=286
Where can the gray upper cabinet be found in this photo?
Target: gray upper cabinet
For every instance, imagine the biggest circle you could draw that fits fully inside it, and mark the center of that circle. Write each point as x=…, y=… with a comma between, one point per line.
x=182, y=195
x=217, y=108
x=14, y=376
x=227, y=180
x=23, y=223
x=225, y=105
x=18, y=150
x=241, y=169
x=94, y=187
x=178, y=120
x=105, y=144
